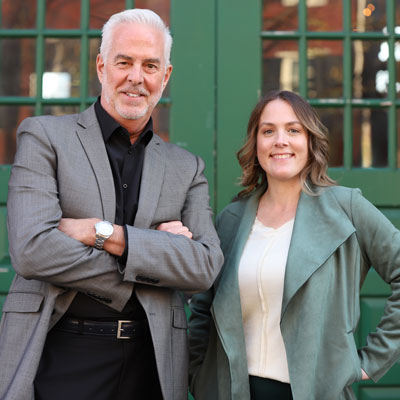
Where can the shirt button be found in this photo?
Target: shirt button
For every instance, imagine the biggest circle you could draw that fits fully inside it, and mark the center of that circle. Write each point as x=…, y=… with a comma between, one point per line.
x=124, y=185
x=129, y=151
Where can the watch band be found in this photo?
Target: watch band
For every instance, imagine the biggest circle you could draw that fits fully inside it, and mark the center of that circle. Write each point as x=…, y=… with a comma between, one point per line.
x=99, y=243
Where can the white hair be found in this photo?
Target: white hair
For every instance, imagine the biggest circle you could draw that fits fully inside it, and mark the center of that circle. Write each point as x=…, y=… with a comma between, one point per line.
x=137, y=16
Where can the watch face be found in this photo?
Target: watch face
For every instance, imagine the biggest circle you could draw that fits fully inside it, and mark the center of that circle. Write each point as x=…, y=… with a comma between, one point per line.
x=104, y=228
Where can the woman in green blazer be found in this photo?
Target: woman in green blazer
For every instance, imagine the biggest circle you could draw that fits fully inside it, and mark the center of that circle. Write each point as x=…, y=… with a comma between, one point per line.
x=335, y=236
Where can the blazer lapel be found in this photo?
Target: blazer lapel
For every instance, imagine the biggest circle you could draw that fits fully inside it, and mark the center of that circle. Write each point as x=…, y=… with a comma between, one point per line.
x=320, y=227
x=90, y=136
x=152, y=181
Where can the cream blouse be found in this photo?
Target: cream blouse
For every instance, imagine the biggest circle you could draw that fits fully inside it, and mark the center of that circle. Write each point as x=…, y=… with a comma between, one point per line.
x=261, y=277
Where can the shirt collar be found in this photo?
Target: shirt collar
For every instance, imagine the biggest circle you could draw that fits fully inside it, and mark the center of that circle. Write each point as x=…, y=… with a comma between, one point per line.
x=109, y=125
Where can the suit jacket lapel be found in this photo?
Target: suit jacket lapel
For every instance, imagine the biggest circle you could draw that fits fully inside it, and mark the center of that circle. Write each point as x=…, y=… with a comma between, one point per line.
x=152, y=181
x=320, y=227
x=89, y=134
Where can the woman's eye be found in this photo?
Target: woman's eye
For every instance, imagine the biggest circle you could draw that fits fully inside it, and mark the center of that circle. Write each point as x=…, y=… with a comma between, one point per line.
x=294, y=131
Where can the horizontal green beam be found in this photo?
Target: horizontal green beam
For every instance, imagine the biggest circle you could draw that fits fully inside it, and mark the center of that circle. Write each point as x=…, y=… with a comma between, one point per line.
x=14, y=100
x=18, y=33
x=355, y=103
x=326, y=35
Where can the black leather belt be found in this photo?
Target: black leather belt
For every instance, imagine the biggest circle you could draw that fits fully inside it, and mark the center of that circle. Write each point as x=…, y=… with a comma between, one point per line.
x=121, y=329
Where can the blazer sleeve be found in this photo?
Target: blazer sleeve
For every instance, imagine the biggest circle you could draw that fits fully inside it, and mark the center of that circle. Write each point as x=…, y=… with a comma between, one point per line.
x=164, y=259
x=380, y=244
x=38, y=249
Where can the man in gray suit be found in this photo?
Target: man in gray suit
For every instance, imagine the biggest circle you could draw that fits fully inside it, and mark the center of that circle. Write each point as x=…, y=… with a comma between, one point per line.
x=107, y=226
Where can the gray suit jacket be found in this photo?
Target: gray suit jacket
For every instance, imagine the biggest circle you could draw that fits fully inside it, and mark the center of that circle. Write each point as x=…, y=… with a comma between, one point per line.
x=61, y=169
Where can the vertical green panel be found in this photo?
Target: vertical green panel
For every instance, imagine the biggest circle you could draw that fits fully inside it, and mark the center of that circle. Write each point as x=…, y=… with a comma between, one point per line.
x=239, y=81
x=40, y=25
x=303, y=48
x=192, y=118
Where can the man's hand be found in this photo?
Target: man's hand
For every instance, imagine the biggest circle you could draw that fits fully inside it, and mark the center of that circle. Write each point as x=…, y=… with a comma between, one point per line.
x=84, y=231
x=80, y=229
x=175, y=227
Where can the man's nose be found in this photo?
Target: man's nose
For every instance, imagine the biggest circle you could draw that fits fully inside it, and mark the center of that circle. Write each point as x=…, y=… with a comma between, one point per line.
x=135, y=75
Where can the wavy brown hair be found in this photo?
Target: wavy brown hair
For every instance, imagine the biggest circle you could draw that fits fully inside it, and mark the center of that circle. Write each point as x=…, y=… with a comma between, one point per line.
x=314, y=173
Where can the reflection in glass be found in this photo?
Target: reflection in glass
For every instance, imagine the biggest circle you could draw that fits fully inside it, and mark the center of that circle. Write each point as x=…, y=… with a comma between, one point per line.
x=368, y=15
x=161, y=7
x=60, y=110
x=325, y=68
x=332, y=118
x=280, y=65
x=280, y=15
x=324, y=15
x=161, y=121
x=10, y=118
x=17, y=65
x=61, y=14
x=101, y=10
x=370, y=71
x=94, y=86
x=370, y=137
x=62, y=55
x=16, y=15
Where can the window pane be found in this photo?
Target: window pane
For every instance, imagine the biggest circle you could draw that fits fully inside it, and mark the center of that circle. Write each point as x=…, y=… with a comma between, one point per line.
x=161, y=7
x=161, y=121
x=370, y=71
x=324, y=15
x=397, y=58
x=10, y=118
x=17, y=65
x=325, y=68
x=101, y=10
x=368, y=15
x=61, y=78
x=370, y=137
x=61, y=14
x=94, y=87
x=60, y=110
x=332, y=118
x=280, y=15
x=280, y=65
x=15, y=14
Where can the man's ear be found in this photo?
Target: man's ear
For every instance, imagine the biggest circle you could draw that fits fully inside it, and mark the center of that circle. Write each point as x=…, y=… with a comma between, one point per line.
x=100, y=67
x=167, y=75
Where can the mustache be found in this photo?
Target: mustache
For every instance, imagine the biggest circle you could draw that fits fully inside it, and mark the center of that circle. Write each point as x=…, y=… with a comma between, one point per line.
x=135, y=89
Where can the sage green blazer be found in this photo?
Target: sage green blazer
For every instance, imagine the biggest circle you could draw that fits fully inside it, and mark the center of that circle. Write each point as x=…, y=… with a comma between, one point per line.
x=337, y=236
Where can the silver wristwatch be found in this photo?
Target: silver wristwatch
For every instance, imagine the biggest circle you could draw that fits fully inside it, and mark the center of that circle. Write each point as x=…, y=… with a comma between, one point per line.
x=104, y=230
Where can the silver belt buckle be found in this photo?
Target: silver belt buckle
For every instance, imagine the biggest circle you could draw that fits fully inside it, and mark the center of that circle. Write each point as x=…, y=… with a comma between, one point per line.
x=120, y=330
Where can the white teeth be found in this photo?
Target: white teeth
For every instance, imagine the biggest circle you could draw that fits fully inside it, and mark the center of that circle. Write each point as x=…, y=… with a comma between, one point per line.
x=282, y=156
x=133, y=95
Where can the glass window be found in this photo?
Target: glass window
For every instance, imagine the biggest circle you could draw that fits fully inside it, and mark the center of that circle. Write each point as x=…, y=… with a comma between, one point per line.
x=325, y=68
x=16, y=15
x=94, y=86
x=370, y=137
x=280, y=65
x=61, y=78
x=101, y=10
x=161, y=121
x=10, y=118
x=161, y=7
x=368, y=15
x=280, y=15
x=324, y=15
x=60, y=110
x=332, y=118
x=370, y=71
x=61, y=14
x=17, y=66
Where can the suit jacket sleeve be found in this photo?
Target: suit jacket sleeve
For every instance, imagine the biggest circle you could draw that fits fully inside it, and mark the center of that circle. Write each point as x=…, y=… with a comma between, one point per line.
x=168, y=260
x=38, y=249
x=380, y=244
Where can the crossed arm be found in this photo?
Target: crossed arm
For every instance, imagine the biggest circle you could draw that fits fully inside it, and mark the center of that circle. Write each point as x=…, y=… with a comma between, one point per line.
x=83, y=230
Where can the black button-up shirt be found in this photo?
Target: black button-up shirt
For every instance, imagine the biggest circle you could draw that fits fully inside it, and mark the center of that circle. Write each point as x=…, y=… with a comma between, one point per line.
x=126, y=161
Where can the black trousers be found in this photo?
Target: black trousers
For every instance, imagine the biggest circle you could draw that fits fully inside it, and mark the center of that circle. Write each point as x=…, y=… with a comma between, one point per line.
x=269, y=389
x=82, y=367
